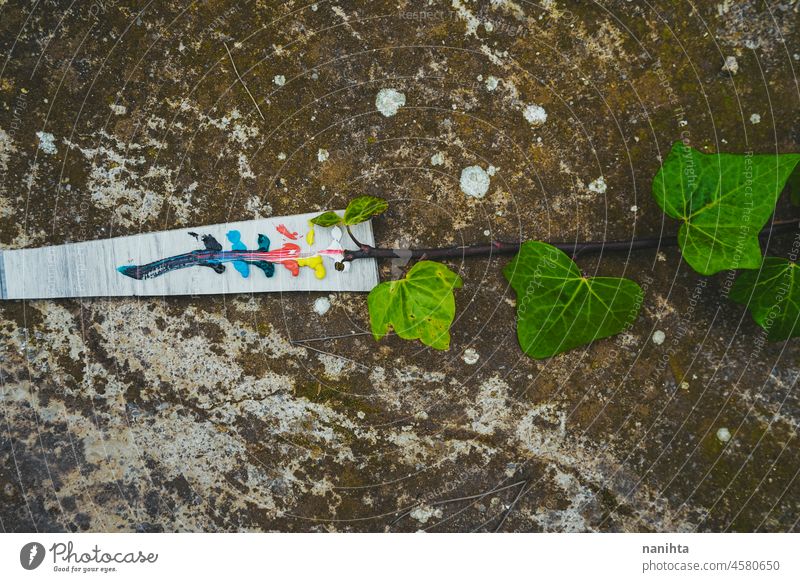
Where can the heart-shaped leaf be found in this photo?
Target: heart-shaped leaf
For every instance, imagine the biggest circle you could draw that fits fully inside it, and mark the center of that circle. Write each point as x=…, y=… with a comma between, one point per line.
x=363, y=208
x=421, y=306
x=559, y=309
x=328, y=218
x=773, y=296
x=724, y=200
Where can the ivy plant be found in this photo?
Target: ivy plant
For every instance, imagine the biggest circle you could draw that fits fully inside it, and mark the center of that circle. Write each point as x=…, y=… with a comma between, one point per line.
x=772, y=294
x=360, y=209
x=420, y=306
x=558, y=308
x=723, y=201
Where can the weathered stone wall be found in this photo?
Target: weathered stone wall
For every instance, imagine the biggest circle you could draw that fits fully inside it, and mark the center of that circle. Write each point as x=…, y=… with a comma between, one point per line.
x=256, y=413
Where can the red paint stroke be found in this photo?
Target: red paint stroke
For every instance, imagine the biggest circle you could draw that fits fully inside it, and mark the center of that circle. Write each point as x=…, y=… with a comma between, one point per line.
x=293, y=266
x=288, y=251
x=285, y=232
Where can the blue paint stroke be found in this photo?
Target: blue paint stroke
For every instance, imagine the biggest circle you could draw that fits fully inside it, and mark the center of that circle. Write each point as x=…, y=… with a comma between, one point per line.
x=235, y=238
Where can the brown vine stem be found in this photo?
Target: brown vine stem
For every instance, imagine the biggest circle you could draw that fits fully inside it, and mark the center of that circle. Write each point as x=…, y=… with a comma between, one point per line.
x=573, y=249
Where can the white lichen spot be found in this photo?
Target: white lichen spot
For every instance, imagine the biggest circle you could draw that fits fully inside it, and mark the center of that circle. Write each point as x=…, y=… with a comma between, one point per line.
x=47, y=142
x=491, y=410
x=534, y=114
x=279, y=80
x=257, y=207
x=598, y=186
x=118, y=109
x=474, y=181
x=281, y=156
x=731, y=65
x=336, y=367
x=322, y=154
x=470, y=356
x=322, y=305
x=723, y=434
x=491, y=83
x=377, y=375
x=388, y=101
x=659, y=337
x=634, y=208
x=6, y=149
x=244, y=167
x=755, y=118
x=491, y=170
x=424, y=512
x=437, y=159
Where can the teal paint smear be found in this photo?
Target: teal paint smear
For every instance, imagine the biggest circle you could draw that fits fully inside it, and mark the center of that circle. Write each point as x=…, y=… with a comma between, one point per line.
x=235, y=237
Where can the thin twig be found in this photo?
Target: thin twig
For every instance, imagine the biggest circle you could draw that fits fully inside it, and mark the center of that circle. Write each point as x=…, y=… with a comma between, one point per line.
x=329, y=337
x=511, y=507
x=478, y=495
x=238, y=76
x=454, y=500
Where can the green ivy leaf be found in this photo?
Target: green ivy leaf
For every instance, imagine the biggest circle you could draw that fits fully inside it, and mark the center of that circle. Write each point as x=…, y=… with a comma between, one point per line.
x=794, y=187
x=773, y=297
x=363, y=208
x=421, y=306
x=328, y=218
x=724, y=200
x=559, y=309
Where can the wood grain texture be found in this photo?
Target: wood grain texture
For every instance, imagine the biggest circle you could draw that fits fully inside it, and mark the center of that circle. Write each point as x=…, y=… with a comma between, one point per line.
x=89, y=269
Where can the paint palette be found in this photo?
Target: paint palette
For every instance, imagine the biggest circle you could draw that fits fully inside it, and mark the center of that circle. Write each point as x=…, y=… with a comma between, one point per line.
x=254, y=256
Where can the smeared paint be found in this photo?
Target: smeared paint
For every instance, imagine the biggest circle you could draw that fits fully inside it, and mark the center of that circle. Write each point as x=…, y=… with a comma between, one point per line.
x=310, y=234
x=333, y=252
x=212, y=256
x=281, y=228
x=315, y=263
x=235, y=237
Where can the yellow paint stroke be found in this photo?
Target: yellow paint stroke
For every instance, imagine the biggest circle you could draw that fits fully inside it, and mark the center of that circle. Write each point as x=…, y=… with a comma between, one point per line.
x=314, y=263
x=310, y=233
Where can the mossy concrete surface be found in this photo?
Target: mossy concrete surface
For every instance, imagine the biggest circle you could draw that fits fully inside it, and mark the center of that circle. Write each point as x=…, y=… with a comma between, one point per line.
x=255, y=413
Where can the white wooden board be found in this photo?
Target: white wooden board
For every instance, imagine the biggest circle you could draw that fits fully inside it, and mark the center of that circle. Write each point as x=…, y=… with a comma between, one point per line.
x=89, y=269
